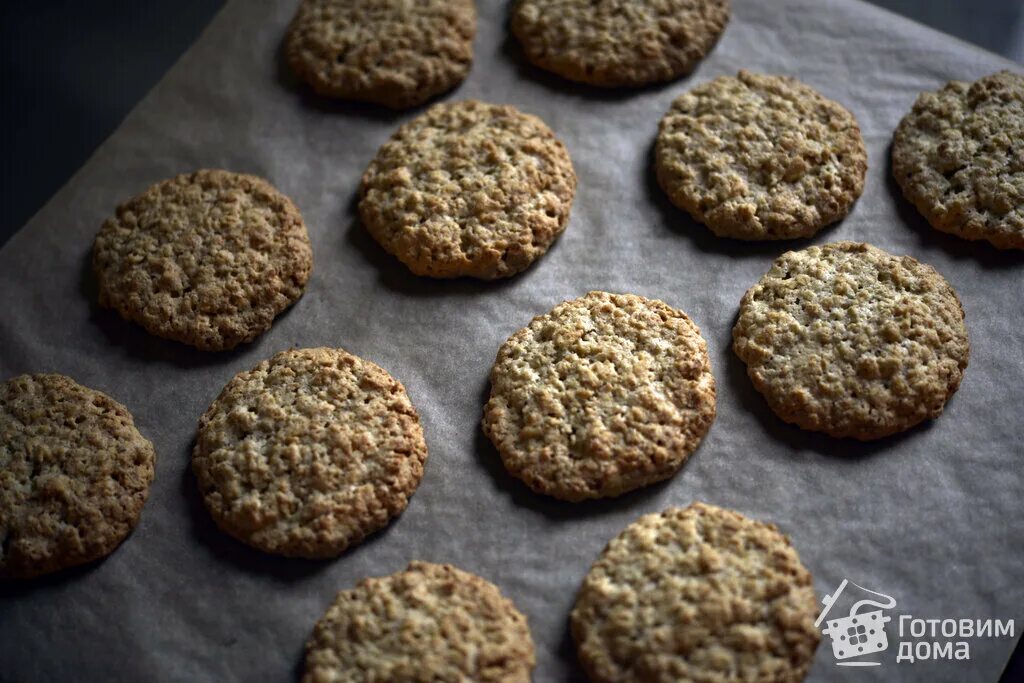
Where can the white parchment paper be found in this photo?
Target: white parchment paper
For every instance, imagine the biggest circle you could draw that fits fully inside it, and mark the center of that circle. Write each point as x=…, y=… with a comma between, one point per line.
x=932, y=518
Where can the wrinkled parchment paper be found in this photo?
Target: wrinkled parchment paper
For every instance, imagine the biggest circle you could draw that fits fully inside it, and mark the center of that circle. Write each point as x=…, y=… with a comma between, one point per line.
x=932, y=518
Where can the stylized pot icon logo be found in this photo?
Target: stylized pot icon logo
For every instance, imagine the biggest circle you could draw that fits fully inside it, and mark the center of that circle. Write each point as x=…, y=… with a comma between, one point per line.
x=860, y=633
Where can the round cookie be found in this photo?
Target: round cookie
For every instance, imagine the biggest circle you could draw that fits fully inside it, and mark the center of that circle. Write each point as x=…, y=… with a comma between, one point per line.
x=614, y=43
x=390, y=52
x=74, y=474
x=468, y=189
x=757, y=157
x=959, y=159
x=852, y=341
x=700, y=594
x=309, y=452
x=600, y=396
x=206, y=258
x=431, y=622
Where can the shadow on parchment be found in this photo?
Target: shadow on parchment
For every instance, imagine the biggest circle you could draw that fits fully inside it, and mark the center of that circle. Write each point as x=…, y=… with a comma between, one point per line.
x=136, y=342
x=12, y=589
x=792, y=436
x=680, y=222
x=249, y=560
x=986, y=255
x=566, y=651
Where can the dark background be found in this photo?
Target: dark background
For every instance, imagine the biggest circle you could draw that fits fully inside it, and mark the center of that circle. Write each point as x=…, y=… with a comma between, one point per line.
x=72, y=70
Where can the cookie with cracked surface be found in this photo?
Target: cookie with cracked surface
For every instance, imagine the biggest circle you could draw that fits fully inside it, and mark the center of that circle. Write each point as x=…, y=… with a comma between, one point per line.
x=390, y=52
x=757, y=157
x=74, y=474
x=207, y=258
x=431, y=622
x=468, y=189
x=959, y=158
x=700, y=594
x=309, y=452
x=600, y=396
x=852, y=341
x=613, y=43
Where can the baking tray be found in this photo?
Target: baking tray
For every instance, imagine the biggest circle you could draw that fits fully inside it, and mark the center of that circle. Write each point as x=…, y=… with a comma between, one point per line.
x=931, y=518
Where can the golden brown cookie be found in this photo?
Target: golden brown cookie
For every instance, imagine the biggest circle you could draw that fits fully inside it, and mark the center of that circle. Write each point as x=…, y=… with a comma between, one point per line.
x=615, y=43
x=852, y=341
x=602, y=395
x=309, y=452
x=760, y=157
x=74, y=474
x=431, y=622
x=207, y=258
x=391, y=52
x=959, y=158
x=700, y=594
x=468, y=189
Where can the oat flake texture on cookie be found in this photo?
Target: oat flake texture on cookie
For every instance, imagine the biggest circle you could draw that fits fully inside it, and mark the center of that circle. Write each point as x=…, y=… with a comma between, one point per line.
x=757, y=157
x=74, y=474
x=468, y=189
x=600, y=396
x=959, y=158
x=431, y=622
x=309, y=452
x=700, y=594
x=391, y=52
x=207, y=258
x=852, y=341
x=613, y=43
